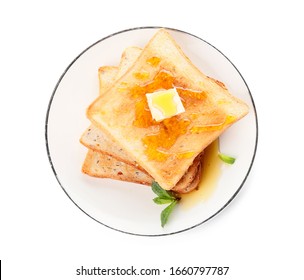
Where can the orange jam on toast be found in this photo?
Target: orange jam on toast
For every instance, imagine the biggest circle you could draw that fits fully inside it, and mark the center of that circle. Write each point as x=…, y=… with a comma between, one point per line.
x=168, y=130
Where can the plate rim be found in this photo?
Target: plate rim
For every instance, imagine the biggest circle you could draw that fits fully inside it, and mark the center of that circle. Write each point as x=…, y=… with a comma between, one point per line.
x=115, y=34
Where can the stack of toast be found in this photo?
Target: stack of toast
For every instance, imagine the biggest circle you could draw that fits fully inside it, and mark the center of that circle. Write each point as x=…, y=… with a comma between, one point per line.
x=125, y=143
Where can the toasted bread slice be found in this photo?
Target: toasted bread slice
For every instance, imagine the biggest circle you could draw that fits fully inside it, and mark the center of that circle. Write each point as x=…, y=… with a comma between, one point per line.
x=210, y=110
x=128, y=57
x=106, y=75
x=105, y=166
x=96, y=140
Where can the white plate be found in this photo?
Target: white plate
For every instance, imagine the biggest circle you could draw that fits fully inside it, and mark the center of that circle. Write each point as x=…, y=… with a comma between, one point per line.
x=128, y=207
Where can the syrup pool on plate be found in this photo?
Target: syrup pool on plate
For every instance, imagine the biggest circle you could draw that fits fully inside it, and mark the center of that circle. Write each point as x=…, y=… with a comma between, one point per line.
x=211, y=170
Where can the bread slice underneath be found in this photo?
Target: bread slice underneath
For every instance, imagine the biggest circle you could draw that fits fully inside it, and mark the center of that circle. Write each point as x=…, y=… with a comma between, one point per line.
x=94, y=139
x=101, y=165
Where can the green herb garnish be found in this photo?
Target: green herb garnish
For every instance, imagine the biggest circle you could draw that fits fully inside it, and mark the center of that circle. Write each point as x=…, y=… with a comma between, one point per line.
x=159, y=191
x=166, y=213
x=164, y=197
x=163, y=200
x=226, y=158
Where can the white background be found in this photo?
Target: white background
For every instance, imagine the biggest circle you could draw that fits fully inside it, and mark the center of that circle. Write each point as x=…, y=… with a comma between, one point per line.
x=43, y=235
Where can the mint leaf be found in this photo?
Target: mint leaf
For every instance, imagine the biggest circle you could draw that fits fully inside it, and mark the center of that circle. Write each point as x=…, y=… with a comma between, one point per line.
x=157, y=189
x=163, y=200
x=226, y=158
x=164, y=197
x=166, y=213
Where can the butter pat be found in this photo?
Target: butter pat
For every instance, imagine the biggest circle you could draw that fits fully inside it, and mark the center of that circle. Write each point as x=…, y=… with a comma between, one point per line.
x=164, y=104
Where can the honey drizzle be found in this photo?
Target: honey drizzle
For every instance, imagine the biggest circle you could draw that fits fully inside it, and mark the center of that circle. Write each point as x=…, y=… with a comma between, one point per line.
x=211, y=170
x=213, y=127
